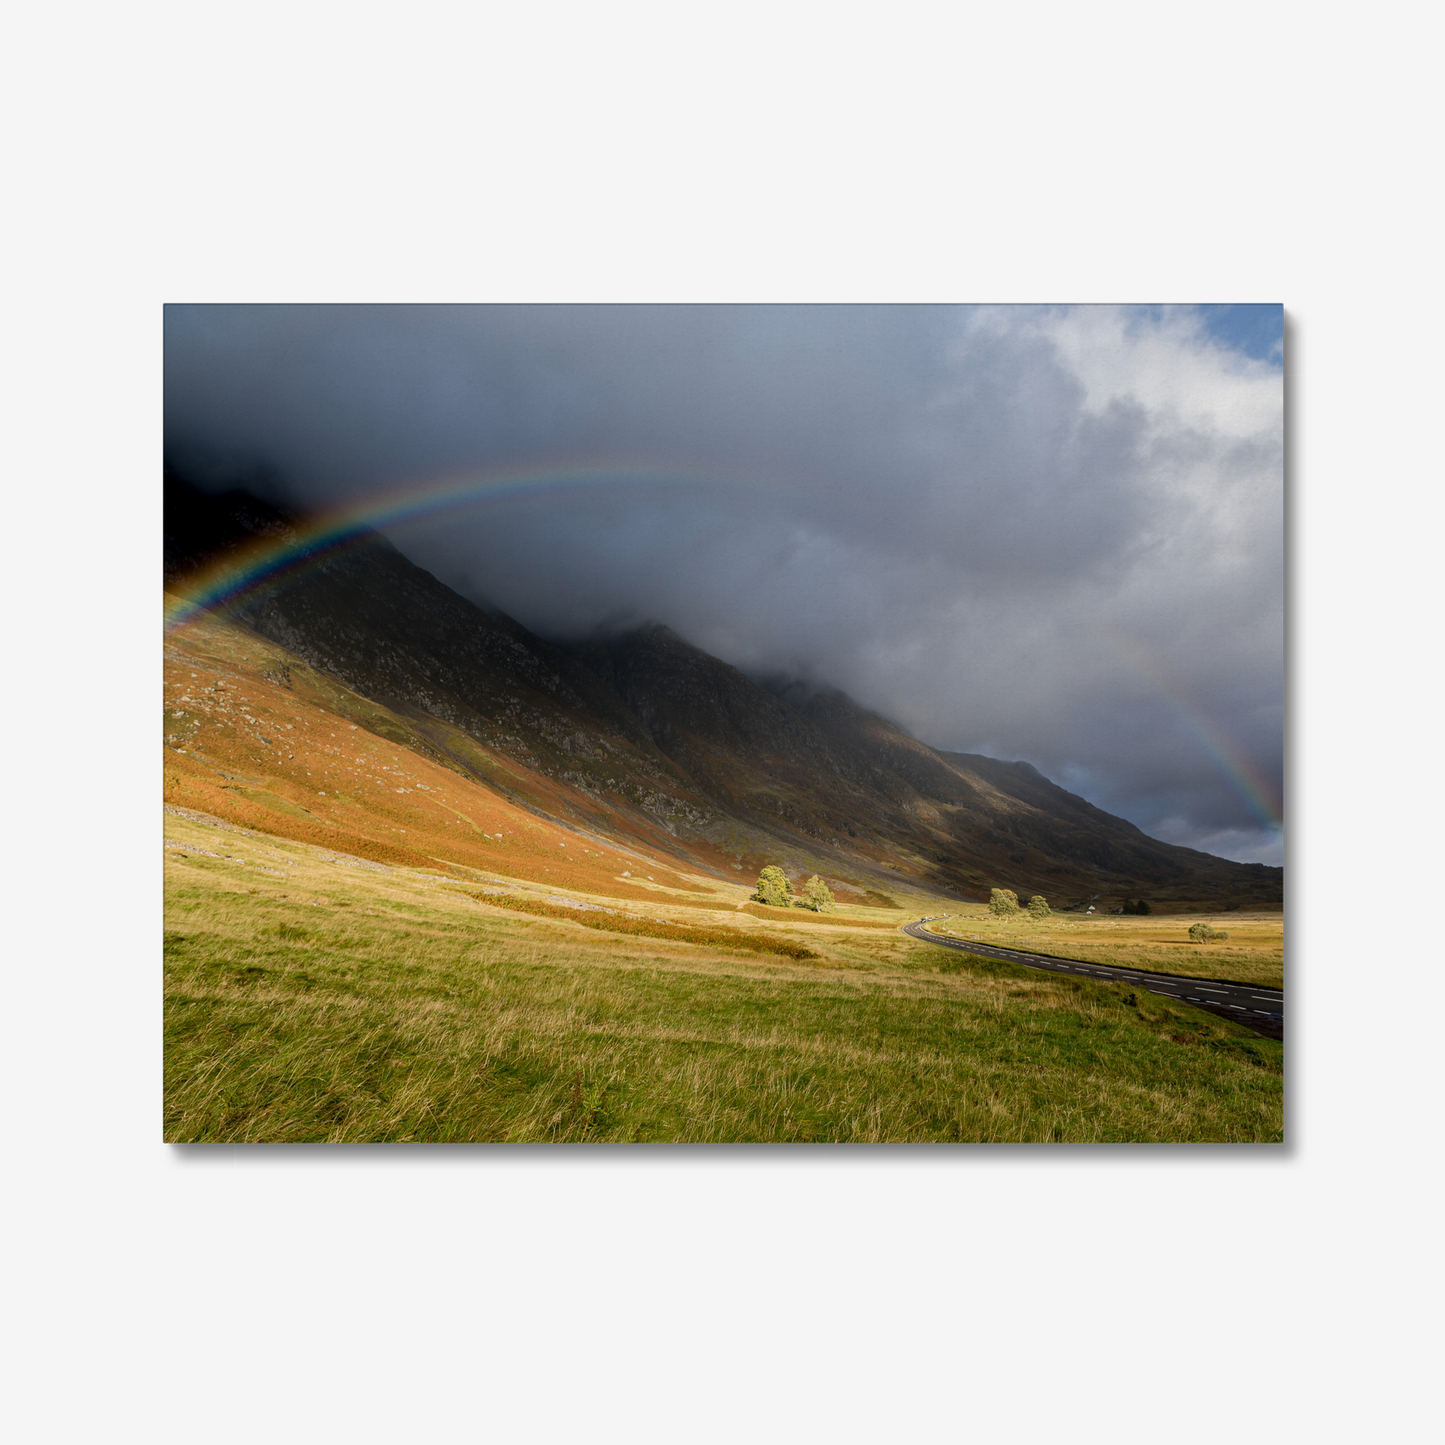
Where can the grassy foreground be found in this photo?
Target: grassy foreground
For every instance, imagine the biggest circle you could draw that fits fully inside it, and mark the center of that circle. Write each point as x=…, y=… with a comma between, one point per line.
x=312, y=997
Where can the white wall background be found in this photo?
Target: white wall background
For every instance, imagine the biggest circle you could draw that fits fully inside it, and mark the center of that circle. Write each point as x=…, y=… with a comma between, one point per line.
x=1231, y=152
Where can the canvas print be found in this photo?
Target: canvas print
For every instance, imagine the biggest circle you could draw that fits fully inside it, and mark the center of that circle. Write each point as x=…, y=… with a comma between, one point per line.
x=724, y=724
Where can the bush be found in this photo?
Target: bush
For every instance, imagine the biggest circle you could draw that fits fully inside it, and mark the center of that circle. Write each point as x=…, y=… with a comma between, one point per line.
x=820, y=896
x=1039, y=906
x=1003, y=901
x=1203, y=933
x=774, y=888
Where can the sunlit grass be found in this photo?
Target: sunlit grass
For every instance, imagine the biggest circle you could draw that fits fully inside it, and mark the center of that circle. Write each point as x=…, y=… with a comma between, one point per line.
x=316, y=1001
x=1253, y=953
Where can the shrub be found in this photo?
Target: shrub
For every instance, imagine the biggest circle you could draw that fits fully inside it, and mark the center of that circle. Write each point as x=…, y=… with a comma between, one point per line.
x=774, y=888
x=1039, y=906
x=1003, y=901
x=820, y=896
x=1203, y=933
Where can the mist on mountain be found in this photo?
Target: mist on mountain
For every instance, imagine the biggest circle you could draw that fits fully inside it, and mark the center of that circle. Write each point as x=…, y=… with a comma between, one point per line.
x=640, y=732
x=1041, y=533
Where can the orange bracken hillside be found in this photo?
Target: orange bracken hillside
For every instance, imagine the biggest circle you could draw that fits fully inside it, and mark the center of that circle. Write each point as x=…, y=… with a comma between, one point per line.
x=255, y=739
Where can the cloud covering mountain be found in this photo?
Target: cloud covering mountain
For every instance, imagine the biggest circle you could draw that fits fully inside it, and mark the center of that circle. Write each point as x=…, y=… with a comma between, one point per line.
x=1052, y=534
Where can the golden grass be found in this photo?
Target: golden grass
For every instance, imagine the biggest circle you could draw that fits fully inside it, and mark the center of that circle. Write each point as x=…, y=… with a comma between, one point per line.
x=618, y=921
x=311, y=997
x=1253, y=953
x=844, y=916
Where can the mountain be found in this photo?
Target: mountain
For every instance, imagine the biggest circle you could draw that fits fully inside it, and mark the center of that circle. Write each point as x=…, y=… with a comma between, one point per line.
x=649, y=738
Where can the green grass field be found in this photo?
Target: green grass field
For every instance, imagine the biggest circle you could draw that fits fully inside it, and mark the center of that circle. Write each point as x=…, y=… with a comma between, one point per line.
x=308, y=999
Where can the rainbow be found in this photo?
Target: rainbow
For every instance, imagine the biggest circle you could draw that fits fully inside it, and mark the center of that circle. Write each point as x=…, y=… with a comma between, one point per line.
x=1242, y=775
x=327, y=535
x=331, y=534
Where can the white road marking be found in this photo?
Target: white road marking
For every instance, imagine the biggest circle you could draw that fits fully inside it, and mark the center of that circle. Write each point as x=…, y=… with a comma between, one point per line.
x=1205, y=988
x=1268, y=998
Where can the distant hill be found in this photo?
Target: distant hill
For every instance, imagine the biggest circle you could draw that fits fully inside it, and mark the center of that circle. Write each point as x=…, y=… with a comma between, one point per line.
x=648, y=730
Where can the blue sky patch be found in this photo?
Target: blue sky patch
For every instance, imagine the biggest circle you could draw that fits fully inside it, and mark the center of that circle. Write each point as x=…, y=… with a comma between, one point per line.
x=1256, y=330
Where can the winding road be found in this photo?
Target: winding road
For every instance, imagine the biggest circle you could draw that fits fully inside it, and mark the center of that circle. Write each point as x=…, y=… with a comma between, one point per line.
x=1261, y=1009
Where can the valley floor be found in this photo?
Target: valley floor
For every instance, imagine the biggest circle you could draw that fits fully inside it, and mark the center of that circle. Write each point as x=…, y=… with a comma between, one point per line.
x=379, y=929
x=312, y=996
x=1253, y=953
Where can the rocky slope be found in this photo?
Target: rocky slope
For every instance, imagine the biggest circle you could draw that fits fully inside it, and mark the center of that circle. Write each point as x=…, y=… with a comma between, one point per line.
x=647, y=731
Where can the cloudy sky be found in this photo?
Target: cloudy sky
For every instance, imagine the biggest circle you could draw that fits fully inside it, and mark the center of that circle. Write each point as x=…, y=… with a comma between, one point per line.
x=1043, y=533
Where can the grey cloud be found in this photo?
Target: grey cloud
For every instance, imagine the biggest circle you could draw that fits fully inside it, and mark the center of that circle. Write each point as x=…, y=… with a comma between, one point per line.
x=1035, y=533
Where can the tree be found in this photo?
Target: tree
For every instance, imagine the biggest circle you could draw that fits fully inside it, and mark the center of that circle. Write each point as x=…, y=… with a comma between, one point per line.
x=1039, y=906
x=1203, y=933
x=1141, y=907
x=820, y=896
x=1003, y=901
x=774, y=888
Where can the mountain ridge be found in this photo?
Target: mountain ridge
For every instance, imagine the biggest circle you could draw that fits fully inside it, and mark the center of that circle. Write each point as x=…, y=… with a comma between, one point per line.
x=646, y=727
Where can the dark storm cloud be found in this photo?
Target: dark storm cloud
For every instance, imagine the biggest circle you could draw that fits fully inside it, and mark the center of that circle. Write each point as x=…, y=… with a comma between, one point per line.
x=1048, y=534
